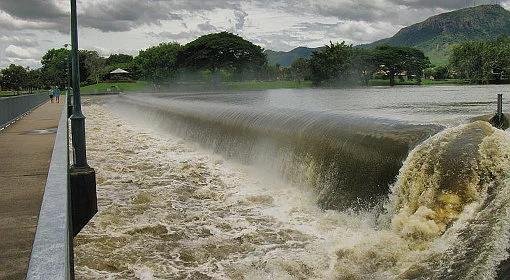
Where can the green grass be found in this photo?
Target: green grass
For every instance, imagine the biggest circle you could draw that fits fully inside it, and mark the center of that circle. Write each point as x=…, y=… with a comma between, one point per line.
x=7, y=93
x=103, y=87
x=14, y=93
x=263, y=85
x=443, y=82
x=423, y=82
x=242, y=86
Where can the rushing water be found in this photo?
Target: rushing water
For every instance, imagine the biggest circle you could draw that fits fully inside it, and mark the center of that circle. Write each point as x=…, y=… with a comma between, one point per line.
x=298, y=184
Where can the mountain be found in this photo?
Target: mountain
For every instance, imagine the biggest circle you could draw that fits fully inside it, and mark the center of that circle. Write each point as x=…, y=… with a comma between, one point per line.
x=435, y=35
x=285, y=59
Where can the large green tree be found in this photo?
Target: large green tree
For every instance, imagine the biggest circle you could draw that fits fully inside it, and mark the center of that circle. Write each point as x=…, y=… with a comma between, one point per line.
x=332, y=64
x=34, y=79
x=396, y=60
x=363, y=64
x=93, y=65
x=54, y=67
x=300, y=69
x=14, y=77
x=481, y=61
x=159, y=63
x=119, y=59
x=222, y=51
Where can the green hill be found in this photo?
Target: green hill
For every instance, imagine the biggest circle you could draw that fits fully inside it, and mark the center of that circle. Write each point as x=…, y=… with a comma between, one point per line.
x=285, y=59
x=435, y=35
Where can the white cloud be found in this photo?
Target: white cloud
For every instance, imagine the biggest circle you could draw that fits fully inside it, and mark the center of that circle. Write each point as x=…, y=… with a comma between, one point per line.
x=34, y=26
x=13, y=51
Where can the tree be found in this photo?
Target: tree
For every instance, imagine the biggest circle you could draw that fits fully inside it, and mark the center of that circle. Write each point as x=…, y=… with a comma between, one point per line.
x=332, y=63
x=159, y=63
x=119, y=59
x=440, y=72
x=55, y=64
x=396, y=60
x=14, y=77
x=225, y=51
x=93, y=65
x=300, y=69
x=466, y=60
x=482, y=61
x=363, y=64
x=34, y=79
x=54, y=67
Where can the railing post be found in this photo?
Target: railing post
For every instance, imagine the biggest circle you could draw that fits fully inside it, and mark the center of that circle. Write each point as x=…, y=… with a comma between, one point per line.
x=500, y=105
x=500, y=120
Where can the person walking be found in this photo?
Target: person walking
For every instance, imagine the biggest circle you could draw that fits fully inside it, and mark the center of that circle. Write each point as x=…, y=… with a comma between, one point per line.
x=51, y=95
x=56, y=93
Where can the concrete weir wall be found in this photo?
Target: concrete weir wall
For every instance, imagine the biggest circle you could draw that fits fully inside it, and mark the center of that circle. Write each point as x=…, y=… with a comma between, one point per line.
x=52, y=253
x=12, y=108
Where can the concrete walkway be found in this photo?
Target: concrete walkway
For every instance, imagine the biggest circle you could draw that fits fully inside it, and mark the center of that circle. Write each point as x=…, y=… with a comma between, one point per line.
x=25, y=154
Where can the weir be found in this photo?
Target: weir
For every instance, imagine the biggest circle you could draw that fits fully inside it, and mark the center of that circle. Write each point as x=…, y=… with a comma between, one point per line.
x=349, y=161
x=450, y=218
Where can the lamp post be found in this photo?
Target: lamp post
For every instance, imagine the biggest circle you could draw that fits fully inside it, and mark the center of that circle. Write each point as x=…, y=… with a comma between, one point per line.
x=77, y=118
x=82, y=178
x=69, y=81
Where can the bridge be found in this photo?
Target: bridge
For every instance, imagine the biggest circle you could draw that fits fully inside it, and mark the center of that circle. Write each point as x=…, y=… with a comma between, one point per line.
x=34, y=210
x=46, y=199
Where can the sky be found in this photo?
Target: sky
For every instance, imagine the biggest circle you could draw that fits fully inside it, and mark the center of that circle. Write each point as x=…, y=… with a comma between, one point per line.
x=28, y=28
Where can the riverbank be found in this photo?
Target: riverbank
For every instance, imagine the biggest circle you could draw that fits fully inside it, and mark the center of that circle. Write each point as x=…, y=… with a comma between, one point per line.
x=425, y=82
x=113, y=87
x=241, y=86
x=16, y=93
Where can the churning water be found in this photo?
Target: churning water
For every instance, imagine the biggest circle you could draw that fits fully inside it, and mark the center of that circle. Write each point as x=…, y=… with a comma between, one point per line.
x=298, y=184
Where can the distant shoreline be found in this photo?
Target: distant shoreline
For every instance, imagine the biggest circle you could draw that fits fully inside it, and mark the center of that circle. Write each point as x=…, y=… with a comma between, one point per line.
x=139, y=86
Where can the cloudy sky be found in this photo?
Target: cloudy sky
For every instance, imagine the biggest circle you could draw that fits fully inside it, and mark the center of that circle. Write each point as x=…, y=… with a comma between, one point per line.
x=30, y=27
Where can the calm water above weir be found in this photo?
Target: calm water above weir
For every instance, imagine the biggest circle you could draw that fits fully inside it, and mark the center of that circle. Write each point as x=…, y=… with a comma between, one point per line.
x=372, y=183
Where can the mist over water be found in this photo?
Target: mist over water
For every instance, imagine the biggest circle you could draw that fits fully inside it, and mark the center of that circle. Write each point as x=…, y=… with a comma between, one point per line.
x=322, y=184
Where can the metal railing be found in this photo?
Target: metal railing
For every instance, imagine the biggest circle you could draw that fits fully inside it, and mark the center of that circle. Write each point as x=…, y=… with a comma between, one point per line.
x=52, y=251
x=12, y=108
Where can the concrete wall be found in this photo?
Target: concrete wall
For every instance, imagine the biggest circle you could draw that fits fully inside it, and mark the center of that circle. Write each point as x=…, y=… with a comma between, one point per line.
x=52, y=253
x=12, y=108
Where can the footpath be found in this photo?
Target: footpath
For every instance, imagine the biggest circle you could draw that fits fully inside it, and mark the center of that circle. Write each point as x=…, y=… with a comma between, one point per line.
x=25, y=154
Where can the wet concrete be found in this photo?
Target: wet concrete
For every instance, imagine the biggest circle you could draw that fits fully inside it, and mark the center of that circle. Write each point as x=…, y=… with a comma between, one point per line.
x=25, y=154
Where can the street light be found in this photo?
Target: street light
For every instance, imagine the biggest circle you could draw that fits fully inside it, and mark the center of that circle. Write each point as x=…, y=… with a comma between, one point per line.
x=69, y=81
x=82, y=178
x=77, y=118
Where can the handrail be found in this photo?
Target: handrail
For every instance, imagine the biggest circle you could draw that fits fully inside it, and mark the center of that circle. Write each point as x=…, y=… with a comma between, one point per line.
x=12, y=108
x=52, y=254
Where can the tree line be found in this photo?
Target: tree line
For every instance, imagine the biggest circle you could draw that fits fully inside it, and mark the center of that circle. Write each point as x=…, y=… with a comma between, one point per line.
x=343, y=64
x=481, y=61
x=219, y=56
x=228, y=57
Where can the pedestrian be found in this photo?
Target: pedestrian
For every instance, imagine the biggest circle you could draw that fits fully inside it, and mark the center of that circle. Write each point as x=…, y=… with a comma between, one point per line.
x=51, y=95
x=56, y=92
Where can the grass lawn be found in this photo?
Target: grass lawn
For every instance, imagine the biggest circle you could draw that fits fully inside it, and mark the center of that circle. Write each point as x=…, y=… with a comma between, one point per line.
x=7, y=93
x=443, y=82
x=262, y=85
x=425, y=82
x=103, y=87
x=13, y=93
x=243, y=86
